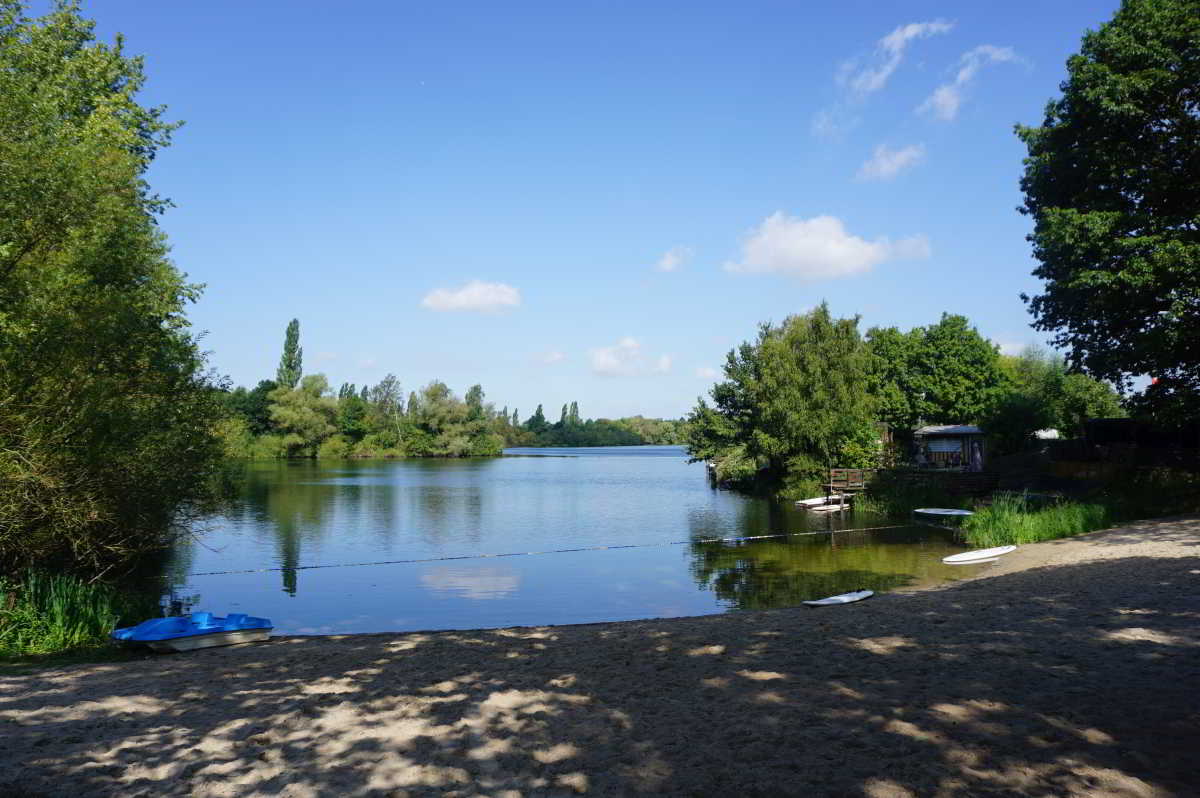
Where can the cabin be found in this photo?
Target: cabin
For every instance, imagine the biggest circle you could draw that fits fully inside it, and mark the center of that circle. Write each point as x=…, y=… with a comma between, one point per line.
x=957, y=447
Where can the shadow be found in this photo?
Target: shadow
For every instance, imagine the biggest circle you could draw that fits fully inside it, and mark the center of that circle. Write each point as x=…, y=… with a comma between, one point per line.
x=1181, y=530
x=1072, y=680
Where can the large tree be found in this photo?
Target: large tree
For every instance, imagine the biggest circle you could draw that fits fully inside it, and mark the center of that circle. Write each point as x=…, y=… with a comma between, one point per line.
x=793, y=403
x=291, y=362
x=107, y=412
x=946, y=373
x=1112, y=183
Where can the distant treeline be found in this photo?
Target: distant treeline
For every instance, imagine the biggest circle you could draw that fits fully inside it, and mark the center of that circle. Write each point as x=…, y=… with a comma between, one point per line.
x=300, y=416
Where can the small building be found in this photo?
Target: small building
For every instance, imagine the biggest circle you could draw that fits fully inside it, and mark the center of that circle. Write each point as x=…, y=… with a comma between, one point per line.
x=950, y=446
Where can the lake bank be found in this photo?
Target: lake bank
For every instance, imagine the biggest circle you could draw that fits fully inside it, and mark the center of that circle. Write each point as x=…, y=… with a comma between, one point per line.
x=1068, y=670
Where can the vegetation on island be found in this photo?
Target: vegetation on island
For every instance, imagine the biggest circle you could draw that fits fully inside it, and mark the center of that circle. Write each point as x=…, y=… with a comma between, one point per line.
x=298, y=415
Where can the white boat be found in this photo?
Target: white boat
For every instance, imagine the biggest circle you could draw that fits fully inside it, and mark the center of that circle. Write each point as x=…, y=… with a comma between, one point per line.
x=978, y=556
x=829, y=508
x=842, y=598
x=943, y=511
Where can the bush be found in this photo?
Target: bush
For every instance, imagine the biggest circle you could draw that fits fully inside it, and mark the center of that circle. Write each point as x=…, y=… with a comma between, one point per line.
x=46, y=614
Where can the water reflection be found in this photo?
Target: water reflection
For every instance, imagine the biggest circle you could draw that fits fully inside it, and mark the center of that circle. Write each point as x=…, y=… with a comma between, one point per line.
x=287, y=517
x=783, y=572
x=474, y=583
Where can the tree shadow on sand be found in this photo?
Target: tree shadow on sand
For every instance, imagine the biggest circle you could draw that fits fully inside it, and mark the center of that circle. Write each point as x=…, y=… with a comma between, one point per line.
x=1076, y=680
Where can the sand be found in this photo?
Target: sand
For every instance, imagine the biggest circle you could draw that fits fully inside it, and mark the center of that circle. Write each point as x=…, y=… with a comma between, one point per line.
x=1068, y=668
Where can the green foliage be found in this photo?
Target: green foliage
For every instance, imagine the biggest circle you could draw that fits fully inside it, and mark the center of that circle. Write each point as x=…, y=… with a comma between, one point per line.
x=791, y=401
x=1042, y=395
x=352, y=417
x=959, y=372
x=1012, y=519
x=253, y=406
x=1112, y=183
x=291, y=361
x=335, y=447
x=42, y=613
x=305, y=415
x=107, y=413
x=946, y=373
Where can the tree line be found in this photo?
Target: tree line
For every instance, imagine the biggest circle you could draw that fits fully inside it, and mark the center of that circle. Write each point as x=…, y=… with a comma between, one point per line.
x=810, y=393
x=298, y=415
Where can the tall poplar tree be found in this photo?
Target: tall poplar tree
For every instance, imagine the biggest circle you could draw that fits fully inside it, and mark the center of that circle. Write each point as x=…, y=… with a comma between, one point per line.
x=290, y=362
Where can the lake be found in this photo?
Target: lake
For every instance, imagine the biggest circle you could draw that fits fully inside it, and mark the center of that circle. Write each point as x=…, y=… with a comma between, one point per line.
x=327, y=547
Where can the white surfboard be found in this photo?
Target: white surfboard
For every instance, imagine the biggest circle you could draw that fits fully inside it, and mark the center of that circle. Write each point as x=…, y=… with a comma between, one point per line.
x=820, y=500
x=979, y=555
x=844, y=598
x=942, y=511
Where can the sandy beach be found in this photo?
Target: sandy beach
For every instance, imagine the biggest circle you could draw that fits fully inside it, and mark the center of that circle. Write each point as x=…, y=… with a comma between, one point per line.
x=1068, y=668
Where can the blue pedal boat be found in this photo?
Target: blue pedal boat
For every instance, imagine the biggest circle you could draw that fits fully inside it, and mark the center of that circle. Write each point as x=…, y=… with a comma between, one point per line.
x=198, y=630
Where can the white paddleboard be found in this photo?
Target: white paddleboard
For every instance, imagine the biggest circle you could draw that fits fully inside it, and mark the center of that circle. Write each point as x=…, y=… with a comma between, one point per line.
x=942, y=511
x=978, y=555
x=844, y=598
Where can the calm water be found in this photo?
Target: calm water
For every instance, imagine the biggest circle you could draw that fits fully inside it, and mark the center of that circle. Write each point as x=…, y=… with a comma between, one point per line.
x=294, y=515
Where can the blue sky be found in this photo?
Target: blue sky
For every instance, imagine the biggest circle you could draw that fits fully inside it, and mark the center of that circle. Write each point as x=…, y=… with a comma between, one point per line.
x=589, y=202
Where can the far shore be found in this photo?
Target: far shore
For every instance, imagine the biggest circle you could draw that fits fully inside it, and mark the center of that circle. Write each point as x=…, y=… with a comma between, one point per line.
x=1067, y=668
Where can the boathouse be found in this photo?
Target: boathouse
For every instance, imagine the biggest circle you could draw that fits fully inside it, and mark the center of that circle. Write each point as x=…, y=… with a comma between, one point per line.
x=959, y=447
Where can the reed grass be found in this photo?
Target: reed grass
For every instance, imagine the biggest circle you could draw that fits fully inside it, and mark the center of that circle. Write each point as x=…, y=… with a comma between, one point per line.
x=43, y=613
x=1014, y=519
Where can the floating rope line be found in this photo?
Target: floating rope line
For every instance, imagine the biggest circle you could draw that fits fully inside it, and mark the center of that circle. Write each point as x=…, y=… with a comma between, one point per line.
x=547, y=551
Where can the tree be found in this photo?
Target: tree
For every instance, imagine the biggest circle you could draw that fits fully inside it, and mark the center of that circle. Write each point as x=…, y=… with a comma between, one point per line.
x=1112, y=183
x=956, y=372
x=475, y=402
x=253, y=406
x=306, y=414
x=1042, y=394
x=893, y=377
x=290, y=369
x=789, y=405
x=537, y=422
x=108, y=413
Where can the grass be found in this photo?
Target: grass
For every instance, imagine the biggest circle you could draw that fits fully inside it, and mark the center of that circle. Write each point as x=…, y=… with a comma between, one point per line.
x=44, y=614
x=1013, y=519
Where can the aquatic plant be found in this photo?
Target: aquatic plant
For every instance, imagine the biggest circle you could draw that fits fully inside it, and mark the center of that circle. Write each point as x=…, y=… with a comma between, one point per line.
x=44, y=613
x=1013, y=518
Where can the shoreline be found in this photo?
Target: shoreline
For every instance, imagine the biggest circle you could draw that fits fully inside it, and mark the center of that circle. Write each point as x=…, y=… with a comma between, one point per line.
x=1067, y=668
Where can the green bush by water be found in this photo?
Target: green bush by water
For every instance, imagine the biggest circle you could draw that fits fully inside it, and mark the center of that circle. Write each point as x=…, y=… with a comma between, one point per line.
x=1011, y=519
x=42, y=613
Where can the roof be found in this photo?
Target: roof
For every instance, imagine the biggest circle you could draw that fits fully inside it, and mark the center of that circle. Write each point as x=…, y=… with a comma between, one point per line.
x=949, y=429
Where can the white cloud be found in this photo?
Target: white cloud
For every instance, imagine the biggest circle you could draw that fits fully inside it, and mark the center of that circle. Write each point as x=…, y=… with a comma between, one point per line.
x=673, y=258
x=706, y=373
x=948, y=98
x=626, y=359
x=367, y=363
x=818, y=248
x=886, y=163
x=552, y=357
x=474, y=296
x=862, y=77
x=889, y=52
